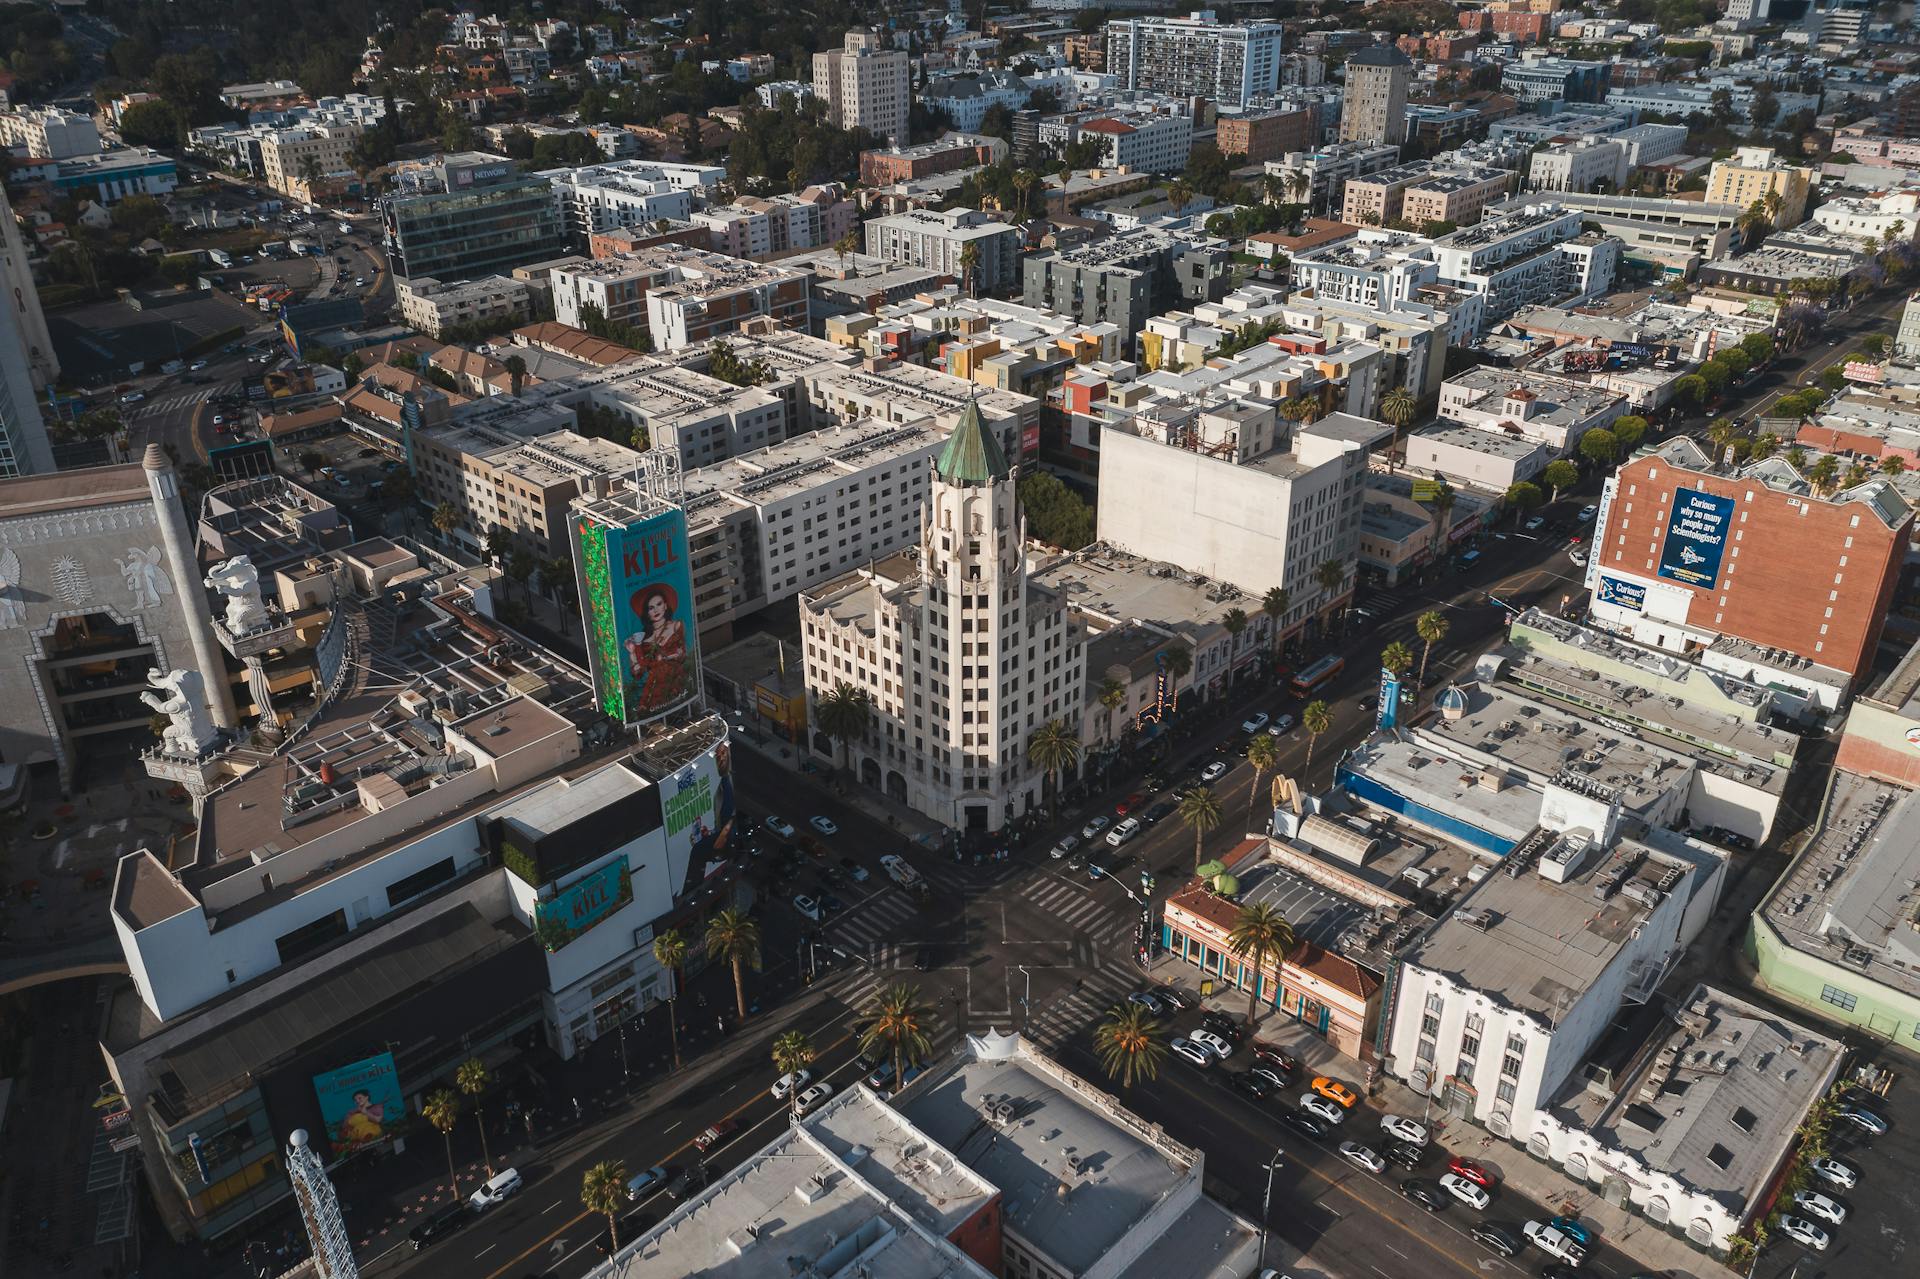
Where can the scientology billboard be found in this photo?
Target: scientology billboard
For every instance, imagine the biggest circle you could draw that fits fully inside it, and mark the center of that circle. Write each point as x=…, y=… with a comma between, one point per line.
x=639, y=614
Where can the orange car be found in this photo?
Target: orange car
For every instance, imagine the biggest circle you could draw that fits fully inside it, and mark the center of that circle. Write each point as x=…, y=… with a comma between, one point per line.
x=1334, y=1090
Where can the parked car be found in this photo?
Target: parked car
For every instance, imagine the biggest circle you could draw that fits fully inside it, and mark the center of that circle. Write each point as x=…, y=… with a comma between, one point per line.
x=1213, y=772
x=642, y=1184
x=1281, y=726
x=811, y=1098
x=1365, y=1156
x=1587, y=513
x=1497, y=1238
x=781, y=827
x=1066, y=845
x=1225, y=1026
x=1304, y=1124
x=1125, y=831
x=1254, y=722
x=1276, y=1054
x=1094, y=826
x=1406, y=1130
x=440, y=1225
x=1157, y=810
x=1322, y=1109
x=1193, y=1052
x=497, y=1189
x=1802, y=1231
x=788, y=1082
x=855, y=871
x=1251, y=1084
x=1149, y=1001
x=1470, y=1193
x=1424, y=1193
x=825, y=825
x=1474, y=1172
x=1573, y=1228
x=1130, y=804
x=1181, y=998
x=1400, y=1153
x=689, y=1181
x=1334, y=1090
x=1555, y=1243
x=1815, y=1204
x=1274, y=1075
x=714, y=1135
x=1212, y=1043
x=809, y=907
x=1835, y=1173
x=1863, y=1119
x=1535, y=524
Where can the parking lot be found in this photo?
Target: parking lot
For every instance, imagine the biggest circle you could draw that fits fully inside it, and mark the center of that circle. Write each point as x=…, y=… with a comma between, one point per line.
x=1880, y=1208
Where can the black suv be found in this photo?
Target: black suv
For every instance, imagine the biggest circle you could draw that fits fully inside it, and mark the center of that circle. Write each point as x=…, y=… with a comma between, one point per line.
x=1227, y=1027
x=1501, y=1239
x=1405, y=1154
x=442, y=1223
x=1158, y=809
x=691, y=1181
x=1424, y=1193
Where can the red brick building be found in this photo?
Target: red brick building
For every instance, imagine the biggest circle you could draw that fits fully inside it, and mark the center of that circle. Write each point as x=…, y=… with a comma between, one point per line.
x=1264, y=135
x=1524, y=27
x=903, y=164
x=1686, y=552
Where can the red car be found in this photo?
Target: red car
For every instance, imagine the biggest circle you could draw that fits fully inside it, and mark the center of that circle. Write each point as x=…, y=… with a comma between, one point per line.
x=1273, y=1052
x=1130, y=803
x=715, y=1135
x=1472, y=1171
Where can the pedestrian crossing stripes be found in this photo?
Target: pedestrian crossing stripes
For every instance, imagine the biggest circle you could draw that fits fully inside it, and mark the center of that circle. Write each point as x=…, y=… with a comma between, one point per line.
x=184, y=400
x=1070, y=1012
x=882, y=916
x=1073, y=906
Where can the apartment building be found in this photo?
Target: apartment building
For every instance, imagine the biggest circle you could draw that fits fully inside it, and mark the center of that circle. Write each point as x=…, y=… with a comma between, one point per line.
x=525, y=486
x=1554, y=411
x=1196, y=56
x=1126, y=278
x=1539, y=78
x=1318, y=177
x=814, y=218
x=935, y=240
x=615, y=287
x=710, y=294
x=908, y=164
x=1585, y=164
x=1378, y=275
x=1535, y=255
x=433, y=306
x=1756, y=173
x=28, y=362
x=1375, y=107
x=1374, y=199
x=682, y=409
x=865, y=85
x=470, y=214
x=1140, y=143
x=48, y=133
x=297, y=161
x=1260, y=136
x=1696, y=98
x=1460, y=196
x=604, y=197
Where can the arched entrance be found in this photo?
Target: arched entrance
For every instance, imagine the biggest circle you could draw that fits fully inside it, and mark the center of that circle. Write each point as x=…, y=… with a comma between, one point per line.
x=896, y=785
x=823, y=745
x=870, y=773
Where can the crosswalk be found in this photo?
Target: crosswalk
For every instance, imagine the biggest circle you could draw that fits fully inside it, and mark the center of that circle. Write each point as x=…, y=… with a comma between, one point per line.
x=171, y=403
x=1082, y=908
x=877, y=926
x=1073, y=1010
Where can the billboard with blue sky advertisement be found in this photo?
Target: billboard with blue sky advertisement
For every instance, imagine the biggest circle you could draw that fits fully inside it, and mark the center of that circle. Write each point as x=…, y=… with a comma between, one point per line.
x=1697, y=532
x=360, y=1103
x=639, y=614
x=1619, y=591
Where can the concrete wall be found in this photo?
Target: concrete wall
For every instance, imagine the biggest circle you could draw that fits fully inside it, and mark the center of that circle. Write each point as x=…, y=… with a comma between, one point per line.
x=1875, y=743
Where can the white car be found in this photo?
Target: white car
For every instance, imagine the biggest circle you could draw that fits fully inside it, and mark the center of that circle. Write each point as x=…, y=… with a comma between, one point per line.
x=781, y=827
x=1535, y=524
x=1093, y=828
x=1587, y=513
x=1818, y=1205
x=1465, y=1191
x=1125, y=831
x=1213, y=772
x=133, y=397
x=1212, y=1043
x=499, y=1188
x=790, y=1081
x=812, y=1097
x=824, y=825
x=1066, y=845
x=1254, y=722
x=1365, y=1156
x=1403, y=1129
x=1800, y=1230
x=1578, y=554
x=1191, y=1051
x=196, y=366
x=1863, y=1119
x=1280, y=727
x=1322, y=1109
x=1835, y=1173
x=807, y=906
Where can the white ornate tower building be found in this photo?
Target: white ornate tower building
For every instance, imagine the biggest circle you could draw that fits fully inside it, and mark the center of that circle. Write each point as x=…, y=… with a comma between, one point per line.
x=961, y=657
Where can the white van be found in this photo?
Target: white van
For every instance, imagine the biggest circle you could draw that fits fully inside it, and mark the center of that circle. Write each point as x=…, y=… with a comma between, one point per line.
x=501, y=1187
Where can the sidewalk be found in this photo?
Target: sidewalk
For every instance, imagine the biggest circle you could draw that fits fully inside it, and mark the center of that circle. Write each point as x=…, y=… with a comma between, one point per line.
x=1519, y=1173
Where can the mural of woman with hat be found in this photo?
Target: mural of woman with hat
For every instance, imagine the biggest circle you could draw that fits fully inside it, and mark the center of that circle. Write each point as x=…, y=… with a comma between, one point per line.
x=657, y=652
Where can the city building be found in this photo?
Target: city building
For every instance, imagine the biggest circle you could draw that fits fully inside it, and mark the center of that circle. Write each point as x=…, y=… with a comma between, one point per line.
x=1376, y=274
x=433, y=307
x=865, y=85
x=311, y=159
x=936, y=241
x=1375, y=107
x=1458, y=196
x=1374, y=199
x=1538, y=254
x=1259, y=136
x=1139, y=142
x=1585, y=164
x=1533, y=128
x=1554, y=411
x=1682, y=99
x=1318, y=178
x=469, y=214
x=627, y=193
x=1537, y=78
x=683, y=410
x=1195, y=56
x=48, y=133
x=908, y=164
x=1752, y=566
x=1906, y=341
x=105, y=177
x=1674, y=236
x=28, y=362
x=1756, y=174
x=966, y=99
x=754, y=225
x=1491, y=461
x=522, y=486
x=950, y=726
x=1126, y=278
x=1255, y=519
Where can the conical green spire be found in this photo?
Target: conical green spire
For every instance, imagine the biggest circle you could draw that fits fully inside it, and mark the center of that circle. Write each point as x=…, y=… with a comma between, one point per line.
x=972, y=456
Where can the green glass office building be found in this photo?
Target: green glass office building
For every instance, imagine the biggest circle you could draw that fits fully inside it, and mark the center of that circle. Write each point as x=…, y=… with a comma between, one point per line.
x=486, y=218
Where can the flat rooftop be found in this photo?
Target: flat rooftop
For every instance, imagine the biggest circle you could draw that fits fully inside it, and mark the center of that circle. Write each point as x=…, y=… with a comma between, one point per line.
x=1556, y=400
x=1847, y=898
x=1493, y=443
x=1420, y=773
x=809, y=461
x=1117, y=588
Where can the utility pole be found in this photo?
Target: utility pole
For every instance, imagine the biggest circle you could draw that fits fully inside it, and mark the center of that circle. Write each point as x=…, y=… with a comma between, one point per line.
x=1266, y=1206
x=1026, y=1000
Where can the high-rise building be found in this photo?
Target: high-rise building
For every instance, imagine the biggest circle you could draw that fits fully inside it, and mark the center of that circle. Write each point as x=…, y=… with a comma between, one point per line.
x=959, y=654
x=1754, y=173
x=470, y=214
x=1228, y=62
x=1906, y=343
x=27, y=362
x=1375, y=107
x=865, y=85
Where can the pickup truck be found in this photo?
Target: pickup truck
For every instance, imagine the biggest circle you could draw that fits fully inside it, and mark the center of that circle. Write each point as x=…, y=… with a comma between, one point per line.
x=1554, y=1242
x=901, y=872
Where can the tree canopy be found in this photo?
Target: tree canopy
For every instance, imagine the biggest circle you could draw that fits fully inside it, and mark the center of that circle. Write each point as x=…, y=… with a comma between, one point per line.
x=1056, y=514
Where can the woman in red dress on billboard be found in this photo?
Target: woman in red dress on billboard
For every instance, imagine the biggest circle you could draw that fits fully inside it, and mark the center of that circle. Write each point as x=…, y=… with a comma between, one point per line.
x=657, y=654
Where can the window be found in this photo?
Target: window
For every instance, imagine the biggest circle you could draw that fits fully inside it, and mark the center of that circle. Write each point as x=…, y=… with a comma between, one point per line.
x=1744, y=1119
x=411, y=886
x=1719, y=1156
x=1435, y=1003
x=1425, y=1051
x=1510, y=1066
x=1838, y=998
x=308, y=938
x=1430, y=1025
x=1504, y=1092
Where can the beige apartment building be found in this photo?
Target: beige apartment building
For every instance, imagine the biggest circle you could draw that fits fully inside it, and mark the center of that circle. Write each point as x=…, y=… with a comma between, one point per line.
x=432, y=306
x=1754, y=173
x=285, y=156
x=1375, y=106
x=522, y=486
x=1377, y=198
x=1459, y=198
x=865, y=85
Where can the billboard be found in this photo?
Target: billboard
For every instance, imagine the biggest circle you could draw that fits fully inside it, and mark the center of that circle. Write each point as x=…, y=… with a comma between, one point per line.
x=1389, y=712
x=360, y=1104
x=1696, y=538
x=697, y=803
x=575, y=909
x=639, y=614
x=1613, y=590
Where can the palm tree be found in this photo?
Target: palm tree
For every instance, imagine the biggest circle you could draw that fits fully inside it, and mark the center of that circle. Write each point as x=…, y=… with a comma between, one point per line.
x=446, y=518
x=1892, y=464
x=473, y=1079
x=1179, y=663
x=1317, y=718
x=1054, y=748
x=792, y=1052
x=1113, y=695
x=1396, y=657
x=442, y=1110
x=970, y=267
x=1259, y=932
x=1275, y=604
x=1331, y=575
x=1200, y=811
x=1772, y=202
x=846, y=246
x=604, y=1190
x=1129, y=1045
x=1442, y=514
x=1298, y=185
x=517, y=371
x=1823, y=473
x=1263, y=752
x=311, y=460
x=1179, y=194
x=670, y=951
x=734, y=937
x=897, y=1020
x=1397, y=408
x=843, y=713
x=1431, y=626
x=1235, y=622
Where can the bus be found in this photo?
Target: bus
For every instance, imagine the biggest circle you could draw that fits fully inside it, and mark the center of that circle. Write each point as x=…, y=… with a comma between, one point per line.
x=1317, y=676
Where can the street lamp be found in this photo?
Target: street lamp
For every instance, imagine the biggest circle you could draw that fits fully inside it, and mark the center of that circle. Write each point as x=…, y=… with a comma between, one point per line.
x=1266, y=1205
x=1026, y=1000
